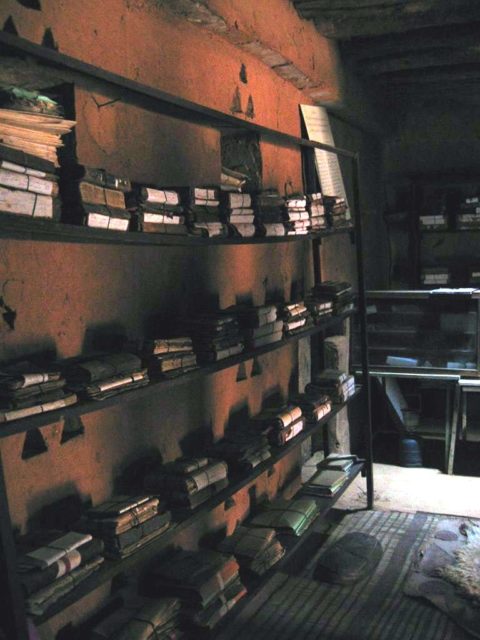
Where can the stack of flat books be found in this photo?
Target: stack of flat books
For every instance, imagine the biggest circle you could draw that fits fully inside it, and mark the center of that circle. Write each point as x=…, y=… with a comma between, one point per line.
x=296, y=317
x=325, y=483
x=106, y=376
x=206, y=582
x=203, y=214
x=316, y=209
x=156, y=210
x=94, y=198
x=436, y=222
x=336, y=212
x=338, y=385
x=215, y=336
x=55, y=566
x=126, y=523
x=259, y=325
x=256, y=549
x=314, y=406
x=435, y=276
x=319, y=309
x=243, y=449
x=297, y=219
x=280, y=424
x=25, y=390
x=291, y=517
x=238, y=213
x=169, y=357
x=339, y=461
x=268, y=207
x=141, y=618
x=188, y=482
x=339, y=294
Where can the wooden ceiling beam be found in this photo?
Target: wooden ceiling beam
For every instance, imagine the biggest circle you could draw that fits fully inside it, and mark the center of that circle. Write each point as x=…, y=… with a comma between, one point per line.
x=421, y=60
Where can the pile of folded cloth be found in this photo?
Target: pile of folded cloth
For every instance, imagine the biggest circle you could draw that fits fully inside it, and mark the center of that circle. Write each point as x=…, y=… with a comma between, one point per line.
x=339, y=294
x=296, y=317
x=291, y=517
x=256, y=549
x=106, y=376
x=259, y=325
x=268, y=207
x=318, y=220
x=297, y=219
x=141, y=618
x=280, y=424
x=26, y=390
x=437, y=221
x=126, y=523
x=243, y=449
x=31, y=126
x=314, y=405
x=336, y=212
x=206, y=582
x=435, y=276
x=55, y=566
x=94, y=198
x=469, y=214
x=336, y=384
x=156, y=210
x=238, y=213
x=169, y=357
x=215, y=336
x=202, y=211
x=187, y=482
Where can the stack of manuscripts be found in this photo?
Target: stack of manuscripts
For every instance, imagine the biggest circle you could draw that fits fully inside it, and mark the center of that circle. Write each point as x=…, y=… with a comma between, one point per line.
x=126, y=523
x=26, y=391
x=106, y=376
x=156, y=210
x=94, y=198
x=438, y=222
x=188, y=482
x=31, y=127
x=206, y=582
x=337, y=385
x=280, y=424
x=314, y=405
x=56, y=567
x=291, y=517
x=316, y=209
x=469, y=215
x=215, y=336
x=296, y=317
x=169, y=357
x=238, y=213
x=268, y=207
x=336, y=211
x=435, y=276
x=242, y=449
x=141, y=618
x=325, y=483
x=202, y=205
x=297, y=219
x=338, y=294
x=319, y=307
x=256, y=549
x=259, y=325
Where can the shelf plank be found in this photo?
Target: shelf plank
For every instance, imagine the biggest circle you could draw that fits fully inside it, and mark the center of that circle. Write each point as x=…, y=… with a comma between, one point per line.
x=26, y=228
x=159, y=385
x=112, y=568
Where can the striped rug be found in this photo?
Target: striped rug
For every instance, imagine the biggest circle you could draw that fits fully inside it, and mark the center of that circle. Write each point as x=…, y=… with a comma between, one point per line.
x=293, y=606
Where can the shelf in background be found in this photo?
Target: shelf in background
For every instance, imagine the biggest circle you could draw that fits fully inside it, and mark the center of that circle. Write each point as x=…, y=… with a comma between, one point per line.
x=26, y=228
x=158, y=385
x=112, y=568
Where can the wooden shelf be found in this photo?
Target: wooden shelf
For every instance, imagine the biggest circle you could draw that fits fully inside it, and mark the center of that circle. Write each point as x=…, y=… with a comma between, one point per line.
x=26, y=228
x=159, y=385
x=112, y=568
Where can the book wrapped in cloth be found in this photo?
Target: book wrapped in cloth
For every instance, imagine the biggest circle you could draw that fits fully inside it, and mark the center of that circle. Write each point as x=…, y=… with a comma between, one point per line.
x=170, y=478
x=199, y=579
x=280, y=437
x=26, y=376
x=270, y=230
x=291, y=517
x=102, y=368
x=433, y=221
x=319, y=310
x=314, y=406
x=242, y=449
x=25, y=163
x=164, y=346
x=141, y=619
x=316, y=211
x=121, y=513
x=255, y=549
x=93, y=175
x=339, y=294
x=171, y=364
x=299, y=228
x=336, y=211
x=339, y=386
x=215, y=336
x=23, y=181
x=253, y=317
x=276, y=418
x=267, y=334
x=28, y=203
x=117, y=384
x=231, y=180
